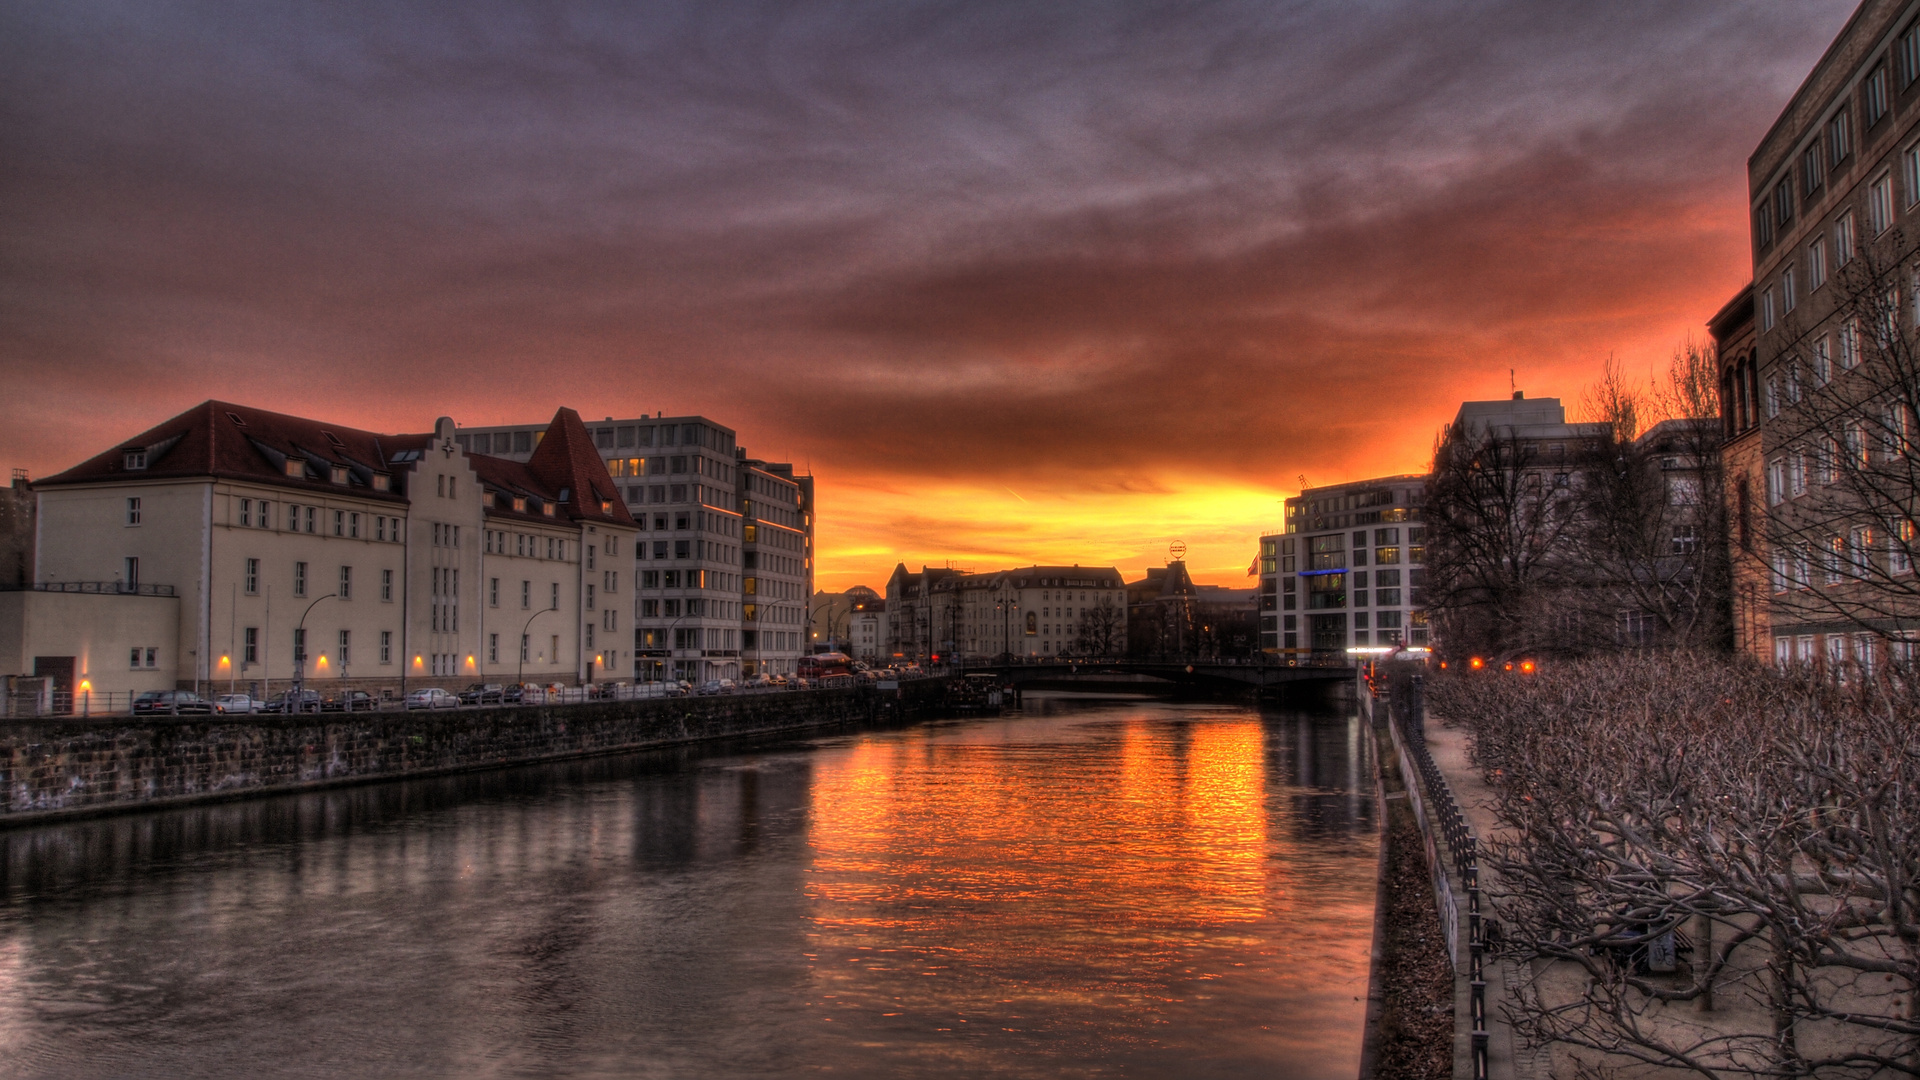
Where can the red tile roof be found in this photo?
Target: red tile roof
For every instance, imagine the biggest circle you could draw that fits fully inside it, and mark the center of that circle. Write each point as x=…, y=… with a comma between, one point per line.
x=566, y=461
x=239, y=442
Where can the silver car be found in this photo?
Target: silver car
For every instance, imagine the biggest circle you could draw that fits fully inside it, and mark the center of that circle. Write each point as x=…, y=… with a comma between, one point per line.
x=239, y=703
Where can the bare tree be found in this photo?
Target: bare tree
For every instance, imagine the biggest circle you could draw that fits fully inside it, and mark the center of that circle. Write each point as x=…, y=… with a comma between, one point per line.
x=1705, y=865
x=1496, y=524
x=1103, y=629
x=1842, y=483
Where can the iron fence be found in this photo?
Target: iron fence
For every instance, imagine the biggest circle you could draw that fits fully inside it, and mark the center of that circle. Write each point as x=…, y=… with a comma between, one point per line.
x=1407, y=723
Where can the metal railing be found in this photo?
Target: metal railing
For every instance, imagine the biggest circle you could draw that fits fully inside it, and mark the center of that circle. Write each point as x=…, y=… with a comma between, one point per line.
x=1408, y=721
x=108, y=588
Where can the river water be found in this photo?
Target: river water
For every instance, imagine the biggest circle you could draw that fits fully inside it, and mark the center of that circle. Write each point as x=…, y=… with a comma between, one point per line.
x=1087, y=889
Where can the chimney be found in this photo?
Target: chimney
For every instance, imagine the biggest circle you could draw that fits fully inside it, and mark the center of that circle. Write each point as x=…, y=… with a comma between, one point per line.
x=1519, y=395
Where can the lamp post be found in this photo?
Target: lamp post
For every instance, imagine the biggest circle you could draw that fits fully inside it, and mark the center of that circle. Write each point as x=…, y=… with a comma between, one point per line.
x=1006, y=607
x=521, y=676
x=300, y=650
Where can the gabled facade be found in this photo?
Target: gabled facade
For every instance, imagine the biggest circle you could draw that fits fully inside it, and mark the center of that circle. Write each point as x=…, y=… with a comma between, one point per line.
x=296, y=548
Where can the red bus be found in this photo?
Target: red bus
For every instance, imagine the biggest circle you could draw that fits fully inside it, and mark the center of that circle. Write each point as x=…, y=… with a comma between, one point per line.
x=825, y=666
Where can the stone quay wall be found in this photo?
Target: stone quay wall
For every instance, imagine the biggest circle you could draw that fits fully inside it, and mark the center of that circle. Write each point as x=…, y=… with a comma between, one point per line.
x=59, y=768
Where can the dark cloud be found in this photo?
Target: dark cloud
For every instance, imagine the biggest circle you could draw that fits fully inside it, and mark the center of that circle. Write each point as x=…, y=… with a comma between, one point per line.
x=1091, y=247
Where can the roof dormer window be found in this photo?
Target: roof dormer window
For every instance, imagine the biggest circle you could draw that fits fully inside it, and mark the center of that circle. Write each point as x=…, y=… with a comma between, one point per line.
x=382, y=482
x=547, y=509
x=134, y=459
x=520, y=504
x=296, y=469
x=339, y=474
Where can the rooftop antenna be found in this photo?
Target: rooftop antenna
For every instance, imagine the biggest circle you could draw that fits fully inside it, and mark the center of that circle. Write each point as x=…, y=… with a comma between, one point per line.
x=1511, y=385
x=1303, y=482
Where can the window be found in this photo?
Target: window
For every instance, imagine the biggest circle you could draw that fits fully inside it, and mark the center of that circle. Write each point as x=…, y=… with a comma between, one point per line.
x=346, y=583
x=1900, y=550
x=253, y=577
x=250, y=646
x=1859, y=543
x=311, y=513
x=1880, y=204
x=1773, y=396
x=346, y=648
x=555, y=605
x=1782, y=204
x=493, y=592
x=493, y=648
x=246, y=511
x=1780, y=572
x=1843, y=239
x=1910, y=173
x=524, y=638
x=1822, y=360
x=526, y=595
x=133, y=511
x=1849, y=346
x=134, y=460
x=265, y=520
x=296, y=469
x=1762, y=226
x=353, y=526
x=1811, y=173
x=1833, y=560
x=1874, y=94
x=386, y=585
x=1768, y=315
x=1797, y=475
x=1816, y=263
x=1839, y=139
x=1788, y=295
x=339, y=474
x=300, y=648
x=299, y=579
x=133, y=659
x=386, y=646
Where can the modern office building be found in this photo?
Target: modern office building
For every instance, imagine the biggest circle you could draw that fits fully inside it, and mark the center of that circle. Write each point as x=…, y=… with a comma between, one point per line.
x=724, y=562
x=1348, y=571
x=235, y=547
x=1817, y=393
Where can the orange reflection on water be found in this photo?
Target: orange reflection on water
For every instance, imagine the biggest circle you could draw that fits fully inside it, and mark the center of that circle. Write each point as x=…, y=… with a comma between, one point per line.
x=1056, y=879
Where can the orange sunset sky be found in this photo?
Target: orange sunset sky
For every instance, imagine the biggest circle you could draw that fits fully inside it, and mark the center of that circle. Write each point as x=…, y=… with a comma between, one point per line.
x=1056, y=283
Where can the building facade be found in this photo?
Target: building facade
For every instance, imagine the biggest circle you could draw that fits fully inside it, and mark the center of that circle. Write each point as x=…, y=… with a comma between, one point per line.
x=1818, y=377
x=1348, y=572
x=714, y=523
x=298, y=549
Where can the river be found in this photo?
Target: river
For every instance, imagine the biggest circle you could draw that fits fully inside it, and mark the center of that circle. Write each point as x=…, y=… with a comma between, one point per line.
x=1084, y=889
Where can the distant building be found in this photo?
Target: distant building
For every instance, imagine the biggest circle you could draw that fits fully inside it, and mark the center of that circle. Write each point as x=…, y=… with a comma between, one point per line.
x=16, y=531
x=830, y=617
x=1031, y=611
x=1168, y=614
x=915, y=630
x=1350, y=569
x=1743, y=469
x=867, y=630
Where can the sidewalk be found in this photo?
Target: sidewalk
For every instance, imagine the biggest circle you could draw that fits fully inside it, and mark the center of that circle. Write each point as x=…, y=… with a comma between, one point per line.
x=1508, y=1055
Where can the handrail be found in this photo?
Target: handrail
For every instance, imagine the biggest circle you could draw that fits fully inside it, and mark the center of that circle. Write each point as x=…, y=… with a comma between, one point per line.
x=108, y=588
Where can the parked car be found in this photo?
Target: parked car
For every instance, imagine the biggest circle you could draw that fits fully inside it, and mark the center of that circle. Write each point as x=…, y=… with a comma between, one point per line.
x=239, y=703
x=432, y=698
x=758, y=682
x=513, y=694
x=291, y=701
x=348, y=701
x=483, y=694
x=172, y=703
x=717, y=686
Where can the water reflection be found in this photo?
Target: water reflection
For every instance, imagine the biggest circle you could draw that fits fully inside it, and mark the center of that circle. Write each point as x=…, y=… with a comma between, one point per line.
x=1091, y=889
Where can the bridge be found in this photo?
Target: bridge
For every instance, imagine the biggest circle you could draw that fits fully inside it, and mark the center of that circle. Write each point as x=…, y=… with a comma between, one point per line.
x=1211, y=674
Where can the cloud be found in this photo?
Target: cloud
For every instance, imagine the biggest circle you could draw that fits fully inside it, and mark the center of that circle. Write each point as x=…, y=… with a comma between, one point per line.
x=1135, y=252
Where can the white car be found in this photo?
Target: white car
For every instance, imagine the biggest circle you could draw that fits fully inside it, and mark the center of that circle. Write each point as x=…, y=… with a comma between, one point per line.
x=239, y=703
x=432, y=698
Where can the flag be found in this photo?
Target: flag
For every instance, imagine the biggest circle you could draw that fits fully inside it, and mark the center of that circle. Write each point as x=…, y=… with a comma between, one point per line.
x=1254, y=566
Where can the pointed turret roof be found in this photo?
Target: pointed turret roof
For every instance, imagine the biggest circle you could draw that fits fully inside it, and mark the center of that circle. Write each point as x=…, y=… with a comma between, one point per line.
x=567, y=462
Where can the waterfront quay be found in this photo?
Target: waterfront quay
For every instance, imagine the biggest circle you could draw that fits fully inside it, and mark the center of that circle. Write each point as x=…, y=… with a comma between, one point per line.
x=62, y=767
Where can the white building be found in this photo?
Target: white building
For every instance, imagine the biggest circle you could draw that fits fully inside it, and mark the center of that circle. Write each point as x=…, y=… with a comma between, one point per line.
x=1349, y=571
x=290, y=547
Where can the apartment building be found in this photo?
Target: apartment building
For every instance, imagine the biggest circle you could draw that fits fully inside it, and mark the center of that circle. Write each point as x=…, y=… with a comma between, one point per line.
x=1031, y=611
x=1349, y=569
x=1817, y=358
x=724, y=559
x=287, y=547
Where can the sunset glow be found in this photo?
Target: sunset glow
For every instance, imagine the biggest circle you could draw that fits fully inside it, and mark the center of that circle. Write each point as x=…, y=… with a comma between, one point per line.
x=1004, y=319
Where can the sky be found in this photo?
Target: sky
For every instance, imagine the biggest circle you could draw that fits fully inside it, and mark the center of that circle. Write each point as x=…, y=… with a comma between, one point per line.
x=1055, y=283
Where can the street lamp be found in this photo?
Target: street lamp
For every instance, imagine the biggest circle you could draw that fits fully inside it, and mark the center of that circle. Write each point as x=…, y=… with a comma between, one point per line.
x=300, y=650
x=1006, y=608
x=521, y=676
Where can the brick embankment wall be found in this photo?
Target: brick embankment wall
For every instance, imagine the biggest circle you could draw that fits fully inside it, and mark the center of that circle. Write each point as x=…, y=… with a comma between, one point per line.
x=67, y=768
